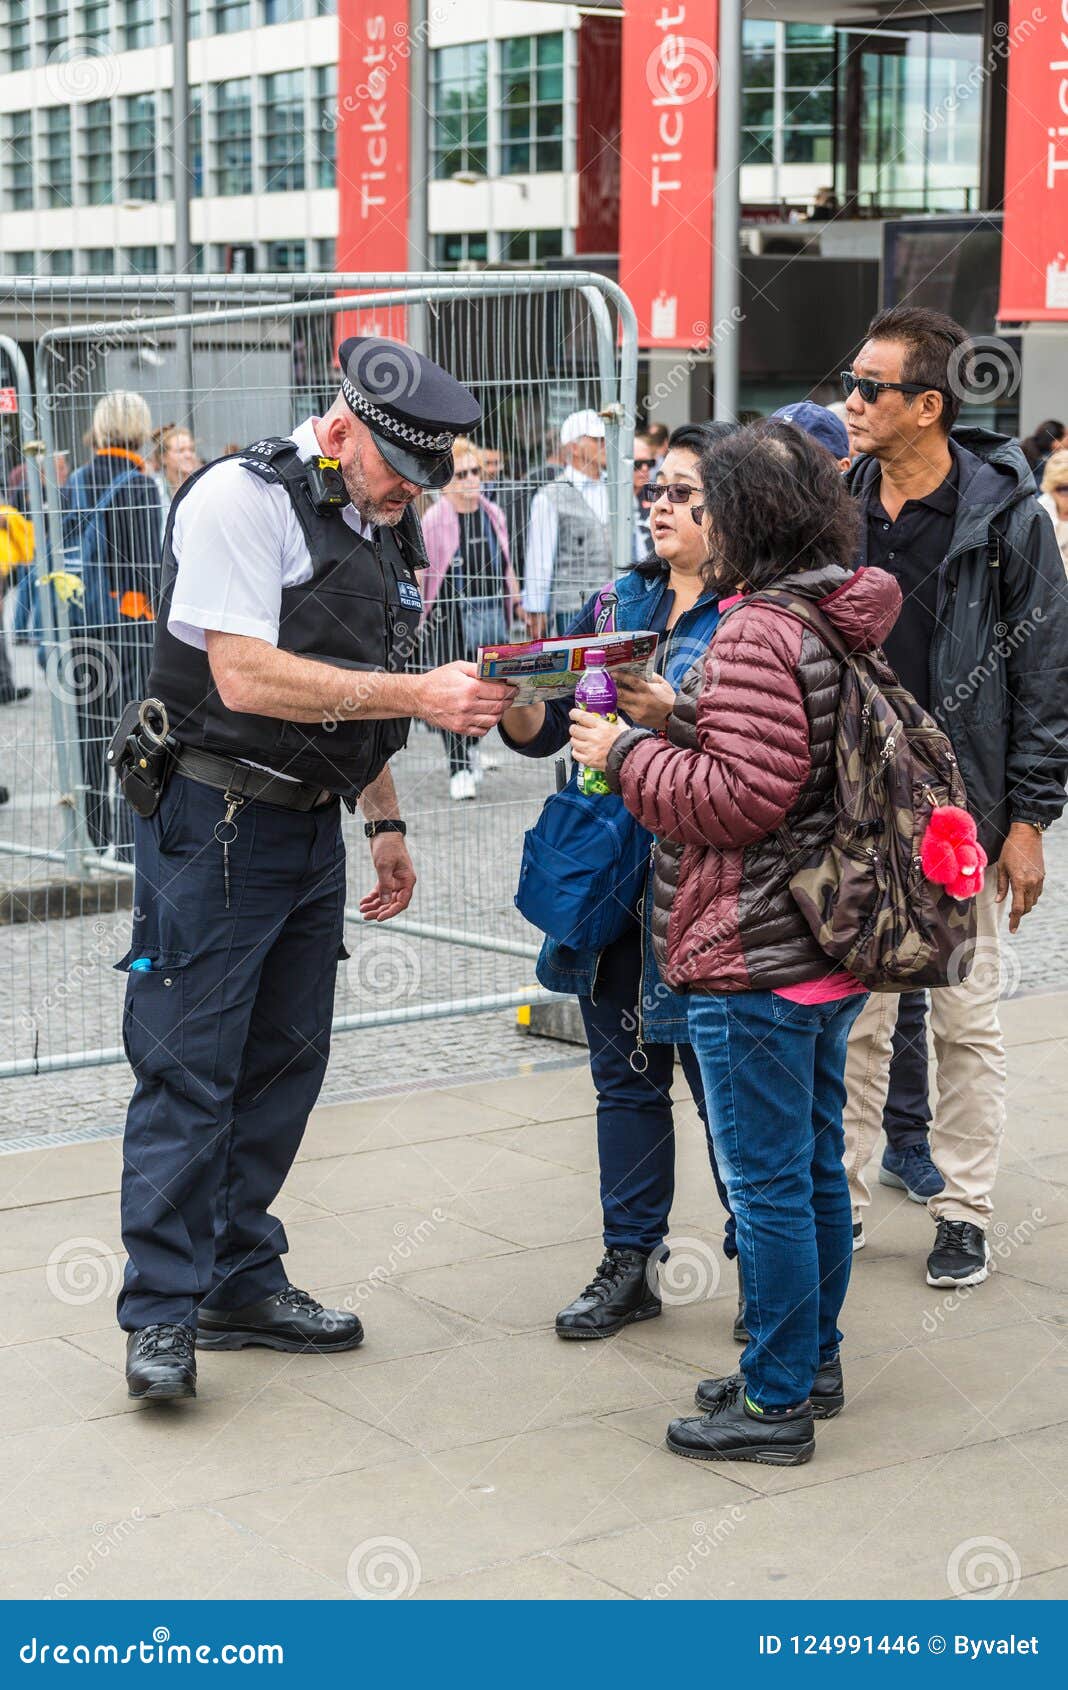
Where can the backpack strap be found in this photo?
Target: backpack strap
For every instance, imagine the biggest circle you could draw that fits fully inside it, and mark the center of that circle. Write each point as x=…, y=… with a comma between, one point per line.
x=604, y=609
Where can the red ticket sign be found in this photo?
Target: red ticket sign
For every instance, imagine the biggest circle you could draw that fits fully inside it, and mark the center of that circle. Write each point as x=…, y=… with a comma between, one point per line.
x=1034, y=250
x=9, y=401
x=667, y=167
x=374, y=53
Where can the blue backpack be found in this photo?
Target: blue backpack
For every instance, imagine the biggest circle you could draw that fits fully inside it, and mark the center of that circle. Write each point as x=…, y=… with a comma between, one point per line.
x=586, y=857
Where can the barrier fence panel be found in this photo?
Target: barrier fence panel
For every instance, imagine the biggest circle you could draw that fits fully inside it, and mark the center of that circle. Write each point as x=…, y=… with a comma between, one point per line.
x=96, y=365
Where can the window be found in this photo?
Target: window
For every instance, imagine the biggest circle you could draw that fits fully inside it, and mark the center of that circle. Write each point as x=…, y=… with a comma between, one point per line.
x=808, y=93
x=56, y=157
x=325, y=142
x=54, y=25
x=18, y=35
x=532, y=103
x=137, y=23
x=18, y=161
x=285, y=255
x=196, y=147
x=231, y=15
x=233, y=137
x=326, y=254
x=60, y=263
x=283, y=131
x=96, y=147
x=100, y=261
x=94, y=24
x=282, y=11
x=142, y=260
x=139, y=147
x=21, y=263
x=450, y=250
x=458, y=109
x=526, y=246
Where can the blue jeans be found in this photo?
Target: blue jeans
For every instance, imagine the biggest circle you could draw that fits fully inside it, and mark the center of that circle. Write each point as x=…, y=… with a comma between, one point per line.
x=773, y=1074
x=635, y=1125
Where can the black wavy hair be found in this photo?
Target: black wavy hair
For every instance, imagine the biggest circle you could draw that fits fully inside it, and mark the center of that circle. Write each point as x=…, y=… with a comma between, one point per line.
x=700, y=436
x=777, y=504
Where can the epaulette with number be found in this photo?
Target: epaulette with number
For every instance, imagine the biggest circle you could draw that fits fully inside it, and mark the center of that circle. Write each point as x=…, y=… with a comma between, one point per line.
x=260, y=456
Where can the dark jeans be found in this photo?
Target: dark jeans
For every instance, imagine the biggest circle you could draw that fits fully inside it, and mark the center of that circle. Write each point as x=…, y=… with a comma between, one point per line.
x=228, y=1035
x=635, y=1127
x=907, y=1115
x=773, y=1073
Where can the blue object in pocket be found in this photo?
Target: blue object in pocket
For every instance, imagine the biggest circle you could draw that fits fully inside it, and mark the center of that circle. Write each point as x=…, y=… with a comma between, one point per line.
x=583, y=868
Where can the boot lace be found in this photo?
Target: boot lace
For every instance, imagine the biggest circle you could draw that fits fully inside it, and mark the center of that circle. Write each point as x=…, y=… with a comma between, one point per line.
x=729, y=1392
x=608, y=1275
x=294, y=1299
x=164, y=1340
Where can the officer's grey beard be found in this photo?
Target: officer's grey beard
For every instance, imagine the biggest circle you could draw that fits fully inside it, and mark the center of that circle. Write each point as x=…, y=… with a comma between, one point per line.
x=382, y=515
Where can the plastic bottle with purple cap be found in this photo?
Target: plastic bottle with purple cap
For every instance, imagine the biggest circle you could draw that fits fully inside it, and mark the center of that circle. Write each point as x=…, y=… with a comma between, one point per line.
x=597, y=693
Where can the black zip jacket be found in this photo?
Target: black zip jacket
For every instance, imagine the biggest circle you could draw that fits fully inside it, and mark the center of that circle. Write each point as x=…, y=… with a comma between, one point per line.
x=999, y=657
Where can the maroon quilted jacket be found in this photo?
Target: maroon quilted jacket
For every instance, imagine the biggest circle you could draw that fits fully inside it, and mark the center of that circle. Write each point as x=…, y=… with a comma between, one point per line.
x=749, y=748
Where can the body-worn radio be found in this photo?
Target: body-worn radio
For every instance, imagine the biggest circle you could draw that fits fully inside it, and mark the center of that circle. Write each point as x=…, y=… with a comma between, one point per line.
x=143, y=752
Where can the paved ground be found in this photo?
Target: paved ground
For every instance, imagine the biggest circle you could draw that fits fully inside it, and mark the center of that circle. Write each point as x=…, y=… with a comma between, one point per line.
x=465, y=1452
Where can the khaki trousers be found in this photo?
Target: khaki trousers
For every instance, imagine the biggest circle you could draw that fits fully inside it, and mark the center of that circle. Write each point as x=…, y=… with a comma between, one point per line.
x=970, y=1116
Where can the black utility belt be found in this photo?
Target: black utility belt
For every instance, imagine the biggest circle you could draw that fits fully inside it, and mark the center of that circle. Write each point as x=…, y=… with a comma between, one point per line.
x=240, y=780
x=144, y=754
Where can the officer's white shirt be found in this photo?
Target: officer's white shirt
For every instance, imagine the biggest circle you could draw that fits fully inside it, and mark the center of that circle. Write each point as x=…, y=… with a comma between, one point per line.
x=237, y=542
x=543, y=530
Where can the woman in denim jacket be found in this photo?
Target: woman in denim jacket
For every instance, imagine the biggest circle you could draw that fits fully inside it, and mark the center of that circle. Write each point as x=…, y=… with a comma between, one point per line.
x=633, y=1022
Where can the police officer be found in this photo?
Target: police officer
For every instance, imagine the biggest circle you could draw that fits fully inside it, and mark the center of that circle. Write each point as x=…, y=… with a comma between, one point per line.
x=288, y=610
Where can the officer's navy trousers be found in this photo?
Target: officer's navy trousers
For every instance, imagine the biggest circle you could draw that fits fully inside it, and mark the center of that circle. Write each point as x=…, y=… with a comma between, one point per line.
x=228, y=1034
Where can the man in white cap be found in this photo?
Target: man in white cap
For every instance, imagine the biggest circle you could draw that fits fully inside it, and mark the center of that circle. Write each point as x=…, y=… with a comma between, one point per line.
x=568, y=550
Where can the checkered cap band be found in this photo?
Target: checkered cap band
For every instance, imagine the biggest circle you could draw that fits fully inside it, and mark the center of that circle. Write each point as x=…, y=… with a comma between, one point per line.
x=404, y=434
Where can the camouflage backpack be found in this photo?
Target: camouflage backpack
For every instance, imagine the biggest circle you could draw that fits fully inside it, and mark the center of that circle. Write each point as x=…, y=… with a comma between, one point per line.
x=864, y=894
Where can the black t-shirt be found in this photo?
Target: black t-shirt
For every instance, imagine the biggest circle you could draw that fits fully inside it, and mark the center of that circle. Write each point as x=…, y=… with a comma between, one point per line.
x=912, y=549
x=479, y=558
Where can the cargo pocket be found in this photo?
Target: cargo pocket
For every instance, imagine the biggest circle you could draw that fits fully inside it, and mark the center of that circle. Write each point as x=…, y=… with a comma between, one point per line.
x=153, y=1017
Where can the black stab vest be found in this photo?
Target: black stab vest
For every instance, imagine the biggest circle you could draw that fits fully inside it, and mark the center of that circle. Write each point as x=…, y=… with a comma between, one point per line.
x=359, y=610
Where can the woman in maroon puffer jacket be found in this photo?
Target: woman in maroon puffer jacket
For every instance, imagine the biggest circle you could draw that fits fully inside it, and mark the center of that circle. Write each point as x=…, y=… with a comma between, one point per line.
x=740, y=787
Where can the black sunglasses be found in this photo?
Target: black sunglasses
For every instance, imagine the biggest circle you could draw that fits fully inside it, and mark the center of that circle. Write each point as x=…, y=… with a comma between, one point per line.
x=645, y=463
x=675, y=492
x=870, y=390
x=698, y=514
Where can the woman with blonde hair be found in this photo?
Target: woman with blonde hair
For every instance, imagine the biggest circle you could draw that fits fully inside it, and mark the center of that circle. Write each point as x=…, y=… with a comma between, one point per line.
x=1054, y=498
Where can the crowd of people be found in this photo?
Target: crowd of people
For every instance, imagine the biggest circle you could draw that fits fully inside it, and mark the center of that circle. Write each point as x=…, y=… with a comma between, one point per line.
x=943, y=545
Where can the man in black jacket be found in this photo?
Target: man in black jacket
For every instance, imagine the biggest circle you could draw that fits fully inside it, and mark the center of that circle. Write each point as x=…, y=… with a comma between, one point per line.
x=982, y=642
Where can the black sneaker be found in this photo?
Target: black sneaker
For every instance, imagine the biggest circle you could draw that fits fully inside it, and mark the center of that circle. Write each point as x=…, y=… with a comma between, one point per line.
x=622, y=1290
x=161, y=1362
x=961, y=1255
x=736, y=1430
x=827, y=1397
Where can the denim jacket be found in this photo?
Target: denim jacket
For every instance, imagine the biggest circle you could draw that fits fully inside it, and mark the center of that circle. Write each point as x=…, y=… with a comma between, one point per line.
x=663, y=1013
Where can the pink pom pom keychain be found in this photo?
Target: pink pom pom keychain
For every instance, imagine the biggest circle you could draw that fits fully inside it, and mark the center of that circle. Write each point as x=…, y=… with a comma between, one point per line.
x=951, y=854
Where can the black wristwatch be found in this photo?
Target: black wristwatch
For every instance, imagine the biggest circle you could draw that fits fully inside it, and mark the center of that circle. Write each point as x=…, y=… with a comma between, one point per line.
x=372, y=828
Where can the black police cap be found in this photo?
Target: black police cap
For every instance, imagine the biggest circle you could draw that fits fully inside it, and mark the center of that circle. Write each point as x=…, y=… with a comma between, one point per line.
x=413, y=408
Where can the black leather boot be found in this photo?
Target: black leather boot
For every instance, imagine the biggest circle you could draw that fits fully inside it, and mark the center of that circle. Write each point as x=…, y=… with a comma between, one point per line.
x=161, y=1362
x=622, y=1290
x=290, y=1320
x=734, y=1431
x=827, y=1395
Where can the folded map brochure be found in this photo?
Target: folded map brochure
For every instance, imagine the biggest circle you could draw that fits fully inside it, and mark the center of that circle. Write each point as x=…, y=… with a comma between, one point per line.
x=544, y=669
